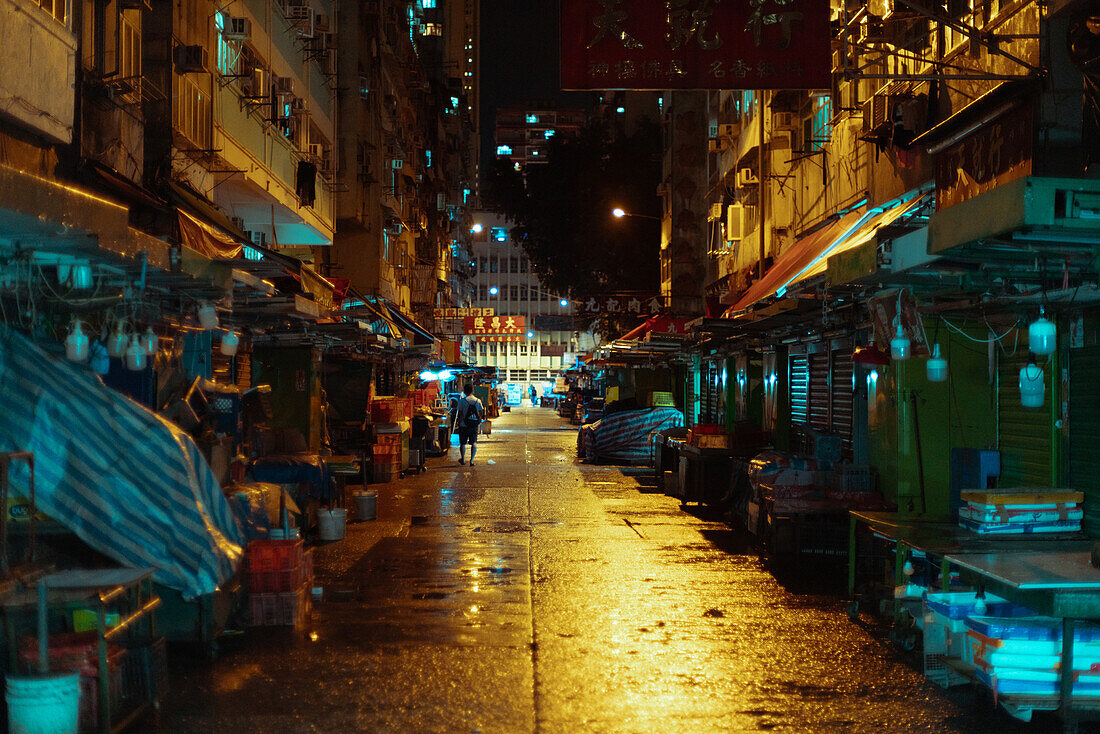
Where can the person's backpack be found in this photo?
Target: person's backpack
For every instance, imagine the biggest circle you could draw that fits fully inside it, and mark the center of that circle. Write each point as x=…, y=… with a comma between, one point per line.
x=471, y=418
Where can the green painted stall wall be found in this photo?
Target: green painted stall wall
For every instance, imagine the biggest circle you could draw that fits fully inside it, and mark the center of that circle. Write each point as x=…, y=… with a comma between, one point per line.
x=295, y=378
x=958, y=413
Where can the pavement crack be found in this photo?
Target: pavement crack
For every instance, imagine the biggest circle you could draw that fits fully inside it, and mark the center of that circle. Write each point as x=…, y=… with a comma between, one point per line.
x=634, y=527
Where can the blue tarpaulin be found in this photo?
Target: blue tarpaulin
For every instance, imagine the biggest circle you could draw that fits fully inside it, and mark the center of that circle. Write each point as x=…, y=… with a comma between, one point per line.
x=627, y=435
x=130, y=484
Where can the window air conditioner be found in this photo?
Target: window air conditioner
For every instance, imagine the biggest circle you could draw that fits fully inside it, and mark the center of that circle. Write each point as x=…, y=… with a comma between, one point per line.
x=315, y=151
x=238, y=29
x=283, y=85
x=729, y=130
x=736, y=222
x=397, y=164
x=784, y=120
x=715, y=212
x=717, y=145
x=191, y=59
x=712, y=129
x=298, y=106
x=746, y=177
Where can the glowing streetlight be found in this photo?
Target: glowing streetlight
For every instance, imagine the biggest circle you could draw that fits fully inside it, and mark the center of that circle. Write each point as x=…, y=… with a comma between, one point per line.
x=493, y=291
x=476, y=228
x=563, y=303
x=530, y=334
x=619, y=213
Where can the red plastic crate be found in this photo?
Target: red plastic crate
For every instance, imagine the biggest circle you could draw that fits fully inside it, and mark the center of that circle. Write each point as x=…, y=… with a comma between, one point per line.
x=263, y=582
x=274, y=555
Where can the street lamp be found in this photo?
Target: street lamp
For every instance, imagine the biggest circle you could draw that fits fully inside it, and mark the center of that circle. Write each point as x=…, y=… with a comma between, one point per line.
x=476, y=228
x=619, y=213
x=563, y=302
x=493, y=290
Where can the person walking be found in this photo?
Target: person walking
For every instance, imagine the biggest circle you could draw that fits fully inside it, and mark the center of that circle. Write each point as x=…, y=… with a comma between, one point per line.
x=534, y=396
x=468, y=418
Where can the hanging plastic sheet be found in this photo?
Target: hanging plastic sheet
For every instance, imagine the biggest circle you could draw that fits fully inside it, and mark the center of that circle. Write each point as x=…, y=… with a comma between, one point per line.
x=130, y=484
x=627, y=435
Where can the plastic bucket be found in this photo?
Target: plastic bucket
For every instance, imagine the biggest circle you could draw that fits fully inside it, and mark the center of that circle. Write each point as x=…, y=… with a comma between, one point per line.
x=48, y=704
x=366, y=505
x=331, y=523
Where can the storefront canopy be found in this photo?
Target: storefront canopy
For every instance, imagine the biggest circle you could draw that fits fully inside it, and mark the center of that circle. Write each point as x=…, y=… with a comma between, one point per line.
x=656, y=325
x=809, y=256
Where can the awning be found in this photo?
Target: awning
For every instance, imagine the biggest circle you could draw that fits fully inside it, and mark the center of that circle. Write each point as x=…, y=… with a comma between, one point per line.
x=809, y=256
x=200, y=236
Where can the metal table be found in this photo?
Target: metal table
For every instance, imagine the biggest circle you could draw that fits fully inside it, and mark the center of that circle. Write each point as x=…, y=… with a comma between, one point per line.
x=1056, y=584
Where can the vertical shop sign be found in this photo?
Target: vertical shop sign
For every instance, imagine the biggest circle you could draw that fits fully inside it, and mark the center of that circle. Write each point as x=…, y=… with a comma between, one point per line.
x=695, y=44
x=991, y=156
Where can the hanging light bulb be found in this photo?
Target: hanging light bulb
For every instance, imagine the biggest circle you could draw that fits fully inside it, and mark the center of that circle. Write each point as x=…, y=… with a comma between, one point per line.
x=136, y=356
x=1042, y=335
x=118, y=341
x=899, y=345
x=1032, y=386
x=230, y=342
x=937, y=366
x=979, y=602
x=150, y=341
x=908, y=569
x=76, y=344
x=208, y=316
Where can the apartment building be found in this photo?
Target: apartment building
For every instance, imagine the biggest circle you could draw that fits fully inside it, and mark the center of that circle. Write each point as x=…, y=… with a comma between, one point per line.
x=504, y=282
x=522, y=134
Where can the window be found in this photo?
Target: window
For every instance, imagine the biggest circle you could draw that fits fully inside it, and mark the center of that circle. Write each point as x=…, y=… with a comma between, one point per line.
x=494, y=265
x=524, y=265
x=227, y=54
x=193, y=113
x=523, y=295
x=514, y=265
x=515, y=292
x=482, y=292
x=504, y=150
x=483, y=264
x=523, y=348
x=817, y=128
x=56, y=8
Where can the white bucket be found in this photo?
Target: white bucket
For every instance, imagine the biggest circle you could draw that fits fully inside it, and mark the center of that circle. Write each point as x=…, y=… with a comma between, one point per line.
x=331, y=523
x=47, y=704
x=366, y=504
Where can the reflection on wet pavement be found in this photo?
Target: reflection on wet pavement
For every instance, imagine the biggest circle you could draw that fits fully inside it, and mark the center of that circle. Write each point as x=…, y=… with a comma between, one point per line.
x=539, y=594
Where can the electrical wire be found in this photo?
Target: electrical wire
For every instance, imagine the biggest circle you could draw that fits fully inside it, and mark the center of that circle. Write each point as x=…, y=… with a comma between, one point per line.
x=981, y=341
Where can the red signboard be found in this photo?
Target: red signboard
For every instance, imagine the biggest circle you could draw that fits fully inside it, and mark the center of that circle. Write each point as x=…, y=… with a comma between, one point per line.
x=695, y=44
x=502, y=338
x=494, y=325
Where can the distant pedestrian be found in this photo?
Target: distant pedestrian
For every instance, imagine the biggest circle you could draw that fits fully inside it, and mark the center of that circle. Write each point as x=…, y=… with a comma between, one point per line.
x=534, y=395
x=468, y=419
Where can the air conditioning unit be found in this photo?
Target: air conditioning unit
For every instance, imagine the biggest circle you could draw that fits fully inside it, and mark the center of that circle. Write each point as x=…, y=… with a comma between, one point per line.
x=397, y=164
x=784, y=121
x=717, y=145
x=238, y=29
x=746, y=177
x=320, y=22
x=712, y=129
x=729, y=130
x=872, y=30
x=315, y=151
x=298, y=106
x=715, y=212
x=282, y=85
x=191, y=59
x=737, y=222
x=393, y=228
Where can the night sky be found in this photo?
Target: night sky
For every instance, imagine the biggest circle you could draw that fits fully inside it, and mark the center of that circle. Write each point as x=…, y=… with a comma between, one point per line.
x=519, y=61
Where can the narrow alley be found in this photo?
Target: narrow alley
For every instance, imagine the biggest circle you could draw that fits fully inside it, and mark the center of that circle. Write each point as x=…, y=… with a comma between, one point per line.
x=534, y=593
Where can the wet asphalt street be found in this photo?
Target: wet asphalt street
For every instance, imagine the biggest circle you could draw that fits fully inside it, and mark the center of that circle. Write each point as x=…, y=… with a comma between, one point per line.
x=532, y=593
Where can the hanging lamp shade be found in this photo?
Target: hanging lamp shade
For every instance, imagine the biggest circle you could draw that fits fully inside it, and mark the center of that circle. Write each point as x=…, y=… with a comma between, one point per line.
x=936, y=368
x=1042, y=335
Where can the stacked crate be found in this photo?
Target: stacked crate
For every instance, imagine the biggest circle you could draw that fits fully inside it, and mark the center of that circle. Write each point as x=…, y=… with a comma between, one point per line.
x=386, y=457
x=280, y=575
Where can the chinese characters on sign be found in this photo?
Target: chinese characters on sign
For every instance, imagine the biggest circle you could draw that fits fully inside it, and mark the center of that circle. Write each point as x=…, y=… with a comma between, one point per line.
x=461, y=313
x=494, y=325
x=695, y=44
x=991, y=156
x=618, y=304
x=502, y=338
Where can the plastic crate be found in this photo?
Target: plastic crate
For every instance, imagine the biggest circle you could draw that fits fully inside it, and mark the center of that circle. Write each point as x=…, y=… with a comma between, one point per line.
x=274, y=555
x=263, y=582
x=935, y=653
x=263, y=610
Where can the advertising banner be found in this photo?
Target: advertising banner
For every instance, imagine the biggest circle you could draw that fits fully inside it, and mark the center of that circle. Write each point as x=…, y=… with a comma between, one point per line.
x=495, y=325
x=461, y=313
x=695, y=44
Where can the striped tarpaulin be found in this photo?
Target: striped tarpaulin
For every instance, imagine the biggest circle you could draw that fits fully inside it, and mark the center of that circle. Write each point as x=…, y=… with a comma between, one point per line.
x=628, y=435
x=130, y=484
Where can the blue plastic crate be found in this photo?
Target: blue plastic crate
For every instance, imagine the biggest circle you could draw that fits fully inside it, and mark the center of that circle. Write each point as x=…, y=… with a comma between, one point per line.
x=1029, y=628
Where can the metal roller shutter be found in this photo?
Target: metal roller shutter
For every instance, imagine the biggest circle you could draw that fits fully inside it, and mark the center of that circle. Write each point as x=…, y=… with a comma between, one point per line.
x=820, y=393
x=843, y=398
x=800, y=388
x=1084, y=431
x=1024, y=435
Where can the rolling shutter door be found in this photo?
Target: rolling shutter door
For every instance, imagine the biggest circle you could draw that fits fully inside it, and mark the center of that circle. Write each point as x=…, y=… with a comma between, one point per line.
x=1084, y=431
x=800, y=397
x=1024, y=435
x=820, y=394
x=843, y=398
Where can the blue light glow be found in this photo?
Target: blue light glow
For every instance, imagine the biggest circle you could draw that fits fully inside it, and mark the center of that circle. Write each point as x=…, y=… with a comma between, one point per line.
x=504, y=150
x=548, y=134
x=493, y=291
